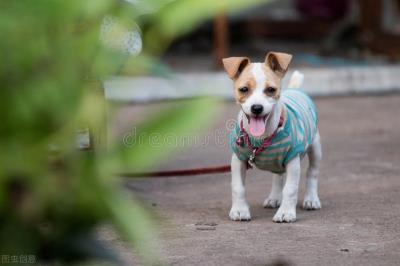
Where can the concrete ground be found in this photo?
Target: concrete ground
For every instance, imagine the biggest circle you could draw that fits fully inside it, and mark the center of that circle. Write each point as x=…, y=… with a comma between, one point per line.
x=359, y=223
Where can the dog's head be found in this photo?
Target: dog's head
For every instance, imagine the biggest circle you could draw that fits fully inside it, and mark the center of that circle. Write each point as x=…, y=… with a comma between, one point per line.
x=257, y=86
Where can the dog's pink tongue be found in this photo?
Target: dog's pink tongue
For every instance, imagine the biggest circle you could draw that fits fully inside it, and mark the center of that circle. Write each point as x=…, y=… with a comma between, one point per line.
x=257, y=126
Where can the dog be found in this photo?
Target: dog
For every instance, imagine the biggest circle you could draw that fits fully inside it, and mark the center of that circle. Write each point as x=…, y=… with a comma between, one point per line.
x=274, y=131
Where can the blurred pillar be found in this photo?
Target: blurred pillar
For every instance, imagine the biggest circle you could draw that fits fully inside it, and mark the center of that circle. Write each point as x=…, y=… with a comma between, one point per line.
x=370, y=18
x=373, y=34
x=221, y=38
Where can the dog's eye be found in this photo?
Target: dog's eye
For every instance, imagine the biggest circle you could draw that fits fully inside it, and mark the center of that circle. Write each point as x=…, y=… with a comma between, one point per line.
x=270, y=90
x=243, y=89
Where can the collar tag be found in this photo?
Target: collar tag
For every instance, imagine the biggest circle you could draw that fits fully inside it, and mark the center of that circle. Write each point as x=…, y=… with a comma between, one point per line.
x=252, y=159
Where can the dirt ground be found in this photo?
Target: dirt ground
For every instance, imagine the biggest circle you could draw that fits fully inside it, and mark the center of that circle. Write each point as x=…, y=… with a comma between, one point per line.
x=359, y=223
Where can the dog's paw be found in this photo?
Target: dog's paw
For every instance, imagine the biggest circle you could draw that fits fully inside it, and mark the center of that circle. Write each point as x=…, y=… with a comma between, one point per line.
x=285, y=215
x=272, y=203
x=311, y=203
x=240, y=212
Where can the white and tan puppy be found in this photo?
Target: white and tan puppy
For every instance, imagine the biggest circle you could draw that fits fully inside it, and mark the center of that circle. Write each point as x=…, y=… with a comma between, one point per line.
x=275, y=130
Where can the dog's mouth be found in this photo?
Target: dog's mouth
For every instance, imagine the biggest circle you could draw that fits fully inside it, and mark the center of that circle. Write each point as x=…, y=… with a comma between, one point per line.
x=257, y=125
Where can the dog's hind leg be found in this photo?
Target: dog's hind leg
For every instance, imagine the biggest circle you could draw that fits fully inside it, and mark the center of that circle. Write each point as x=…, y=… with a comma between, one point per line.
x=275, y=196
x=311, y=199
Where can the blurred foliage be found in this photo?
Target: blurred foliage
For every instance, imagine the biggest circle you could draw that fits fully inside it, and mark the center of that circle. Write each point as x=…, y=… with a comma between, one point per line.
x=53, y=195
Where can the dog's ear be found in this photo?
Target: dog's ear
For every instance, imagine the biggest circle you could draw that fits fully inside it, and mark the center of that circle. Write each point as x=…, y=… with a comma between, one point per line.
x=278, y=62
x=235, y=65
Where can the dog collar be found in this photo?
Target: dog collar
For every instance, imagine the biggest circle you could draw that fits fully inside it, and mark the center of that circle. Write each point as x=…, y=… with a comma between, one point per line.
x=255, y=151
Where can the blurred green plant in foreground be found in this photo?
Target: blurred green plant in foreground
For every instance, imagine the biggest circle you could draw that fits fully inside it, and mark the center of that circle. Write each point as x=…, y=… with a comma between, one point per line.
x=52, y=195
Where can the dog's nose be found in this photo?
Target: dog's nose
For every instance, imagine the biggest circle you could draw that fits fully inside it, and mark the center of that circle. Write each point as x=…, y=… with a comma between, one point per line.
x=257, y=109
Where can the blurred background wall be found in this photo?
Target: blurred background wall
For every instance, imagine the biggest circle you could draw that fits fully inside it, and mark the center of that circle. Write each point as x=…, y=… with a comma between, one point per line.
x=343, y=46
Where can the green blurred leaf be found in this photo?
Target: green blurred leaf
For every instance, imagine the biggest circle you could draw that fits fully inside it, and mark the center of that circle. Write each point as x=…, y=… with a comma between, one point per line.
x=135, y=225
x=51, y=68
x=149, y=143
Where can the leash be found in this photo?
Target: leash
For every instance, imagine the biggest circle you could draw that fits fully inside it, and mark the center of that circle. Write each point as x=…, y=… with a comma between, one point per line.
x=216, y=169
x=180, y=173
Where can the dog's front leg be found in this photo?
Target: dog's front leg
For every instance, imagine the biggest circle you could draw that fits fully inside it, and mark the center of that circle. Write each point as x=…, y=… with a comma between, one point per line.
x=240, y=209
x=287, y=210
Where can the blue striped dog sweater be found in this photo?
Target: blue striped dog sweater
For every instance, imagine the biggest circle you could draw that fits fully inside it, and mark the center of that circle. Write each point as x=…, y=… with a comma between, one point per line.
x=294, y=139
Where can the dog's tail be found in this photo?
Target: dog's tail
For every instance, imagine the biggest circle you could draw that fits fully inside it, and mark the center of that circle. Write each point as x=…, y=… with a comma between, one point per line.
x=296, y=80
